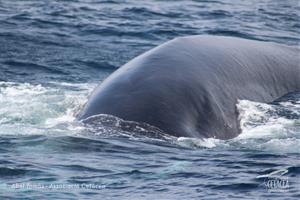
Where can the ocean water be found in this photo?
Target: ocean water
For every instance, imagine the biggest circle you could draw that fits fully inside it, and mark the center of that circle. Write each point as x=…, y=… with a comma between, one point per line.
x=54, y=52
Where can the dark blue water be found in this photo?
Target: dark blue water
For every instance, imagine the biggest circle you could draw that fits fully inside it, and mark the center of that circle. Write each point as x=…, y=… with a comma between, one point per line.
x=52, y=55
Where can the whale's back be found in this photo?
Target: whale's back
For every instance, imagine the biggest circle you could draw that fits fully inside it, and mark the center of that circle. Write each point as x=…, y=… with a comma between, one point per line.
x=190, y=86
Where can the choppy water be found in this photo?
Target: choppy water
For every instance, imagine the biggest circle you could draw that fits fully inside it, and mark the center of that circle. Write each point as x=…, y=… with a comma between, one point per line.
x=53, y=53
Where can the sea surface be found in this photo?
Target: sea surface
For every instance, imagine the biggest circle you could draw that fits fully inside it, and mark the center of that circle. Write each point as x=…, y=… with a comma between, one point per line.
x=54, y=52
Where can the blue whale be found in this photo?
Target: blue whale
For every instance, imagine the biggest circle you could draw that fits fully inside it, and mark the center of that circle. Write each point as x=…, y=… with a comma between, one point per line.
x=190, y=86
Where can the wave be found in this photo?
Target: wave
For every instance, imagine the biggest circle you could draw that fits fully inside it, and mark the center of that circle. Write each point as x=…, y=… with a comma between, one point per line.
x=30, y=67
x=150, y=12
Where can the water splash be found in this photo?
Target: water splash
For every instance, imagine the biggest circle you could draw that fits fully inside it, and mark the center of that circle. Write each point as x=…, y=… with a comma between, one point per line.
x=28, y=109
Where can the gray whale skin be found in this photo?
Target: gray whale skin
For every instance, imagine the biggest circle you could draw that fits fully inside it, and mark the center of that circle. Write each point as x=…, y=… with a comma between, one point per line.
x=189, y=86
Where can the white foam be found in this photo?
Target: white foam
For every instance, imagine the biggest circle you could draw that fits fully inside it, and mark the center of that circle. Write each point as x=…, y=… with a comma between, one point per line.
x=259, y=120
x=198, y=143
x=268, y=127
x=35, y=109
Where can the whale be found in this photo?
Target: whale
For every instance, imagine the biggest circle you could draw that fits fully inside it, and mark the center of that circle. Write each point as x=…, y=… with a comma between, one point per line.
x=190, y=86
